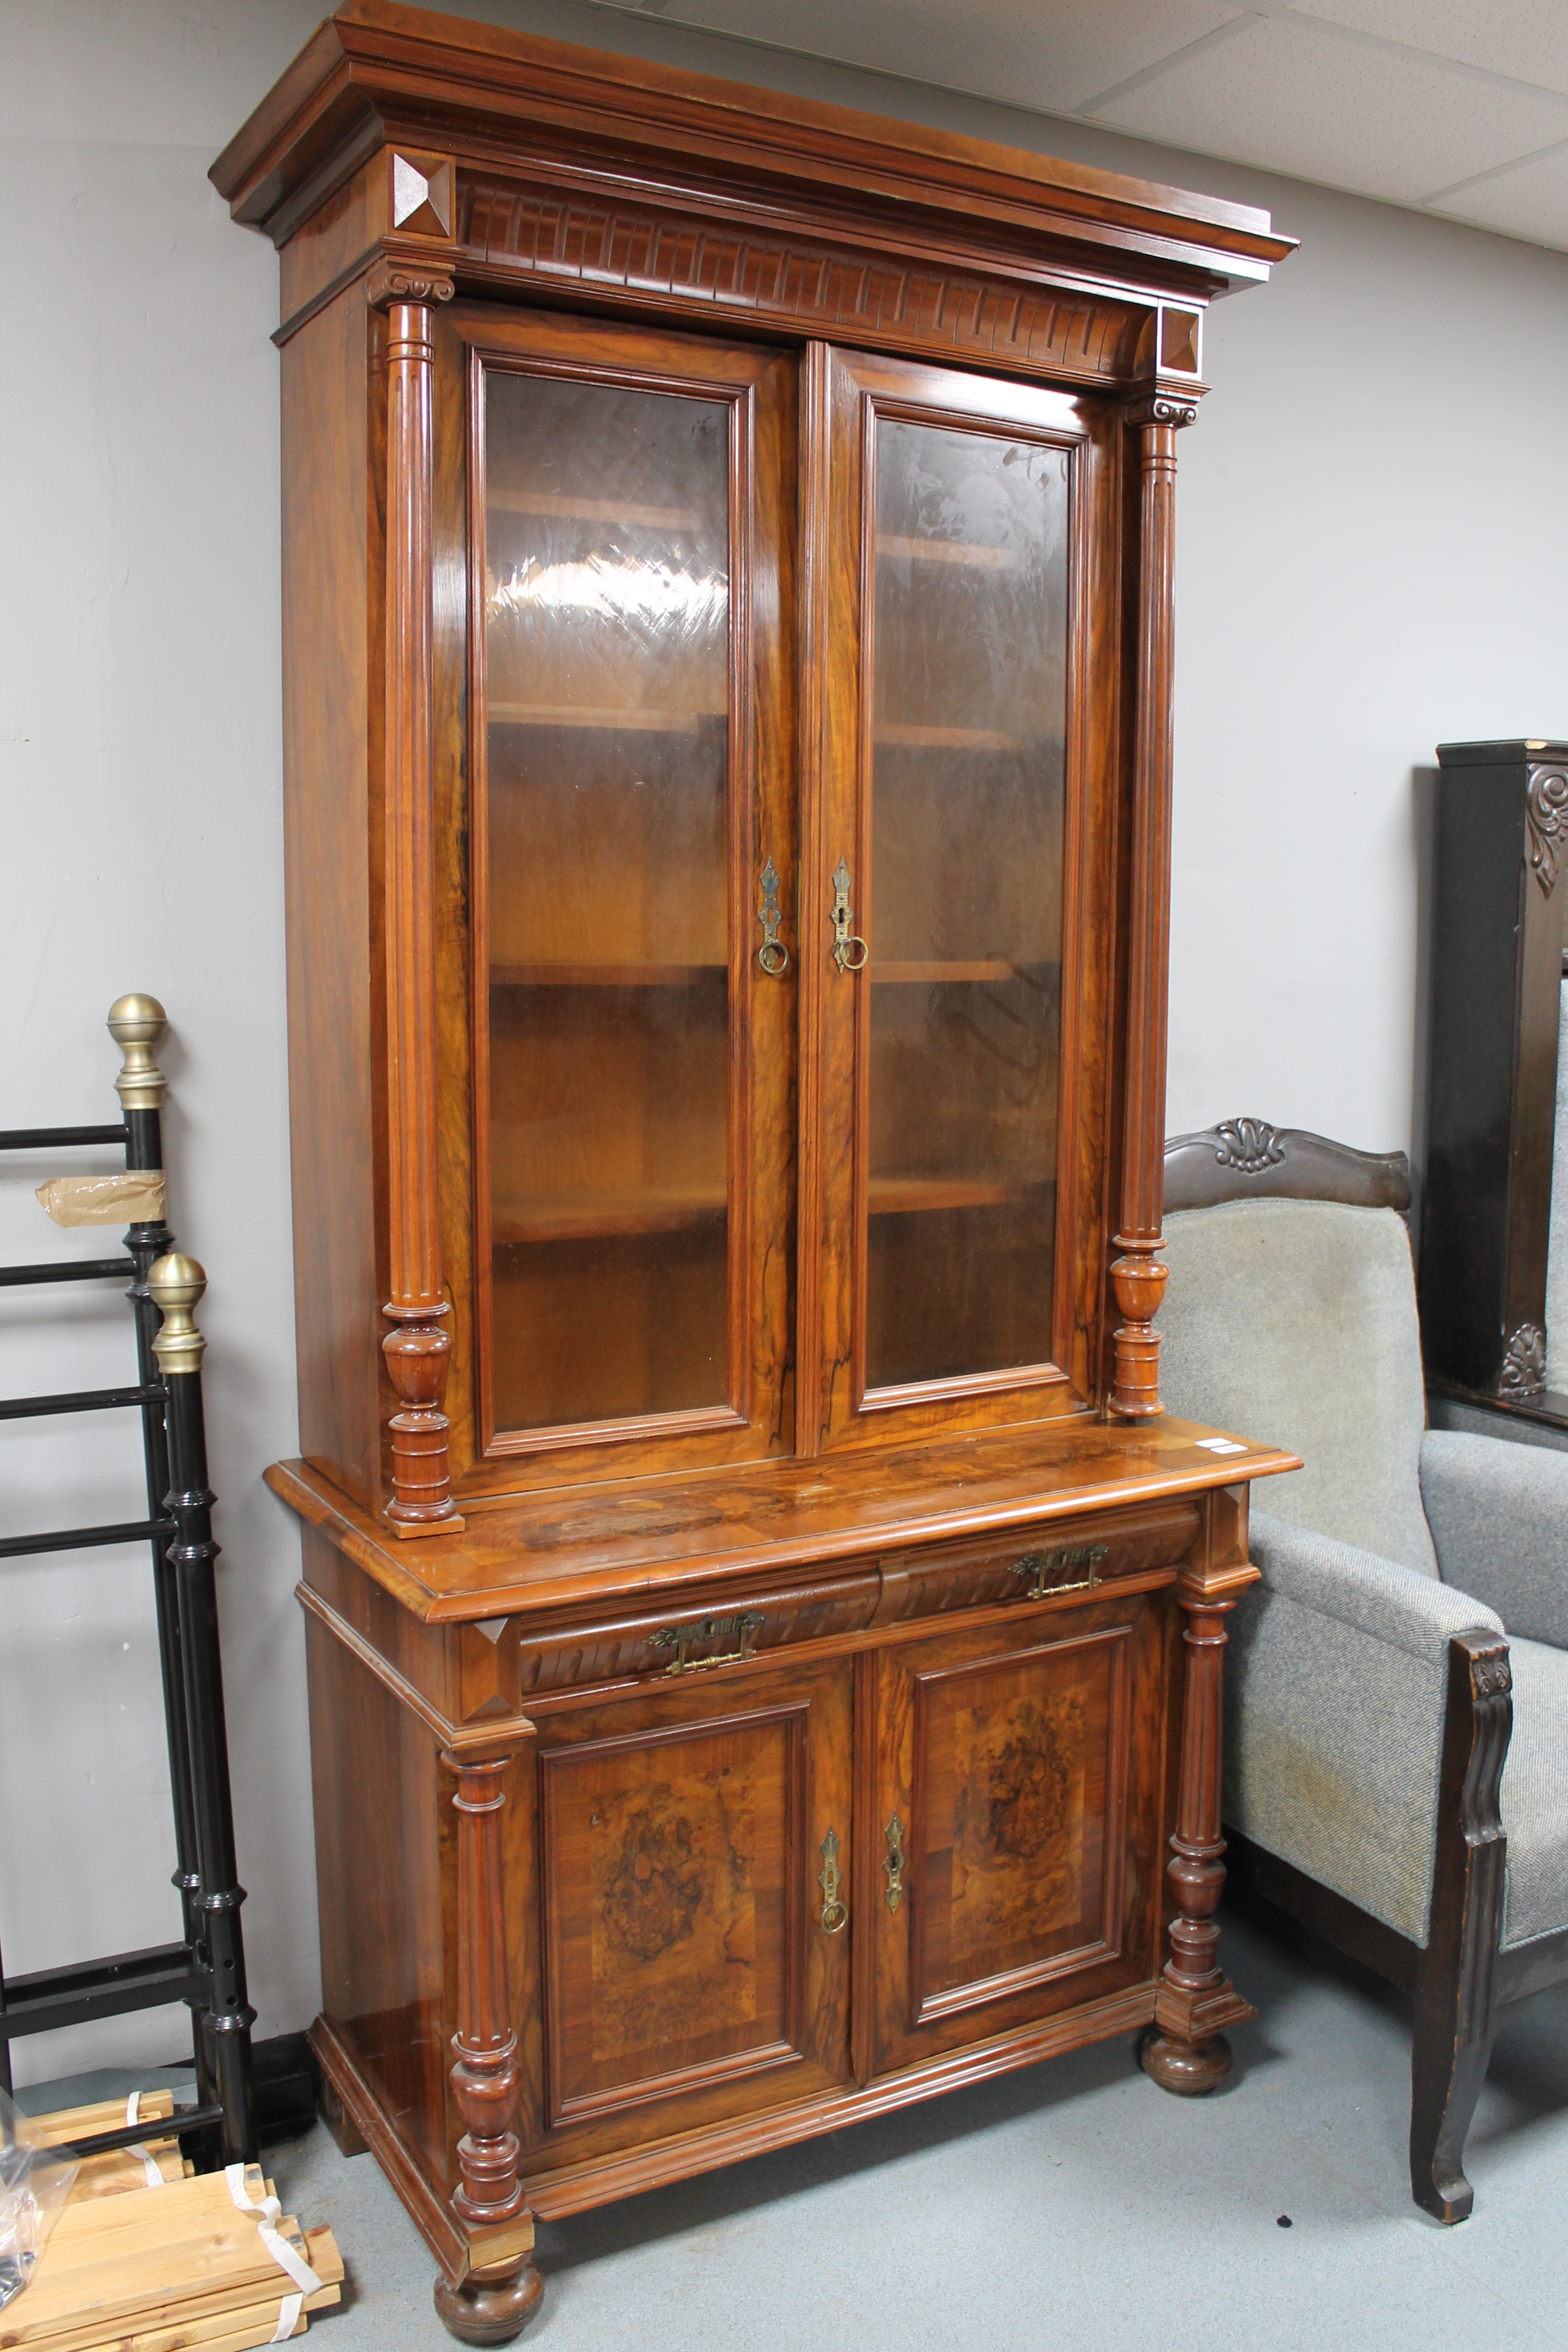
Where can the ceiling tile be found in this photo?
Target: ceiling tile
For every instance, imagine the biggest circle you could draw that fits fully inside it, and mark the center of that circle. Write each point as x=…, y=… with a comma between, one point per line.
x=1290, y=96
x=1526, y=38
x=1048, y=54
x=1531, y=202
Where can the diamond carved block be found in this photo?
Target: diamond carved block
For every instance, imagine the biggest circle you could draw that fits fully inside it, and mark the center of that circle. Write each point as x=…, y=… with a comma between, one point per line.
x=421, y=192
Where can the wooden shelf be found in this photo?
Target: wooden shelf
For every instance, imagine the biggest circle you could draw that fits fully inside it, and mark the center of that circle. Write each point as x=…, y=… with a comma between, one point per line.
x=892, y=1196
x=953, y=738
x=984, y=968
x=949, y=550
x=604, y=975
x=575, y=509
x=590, y=1214
x=574, y=714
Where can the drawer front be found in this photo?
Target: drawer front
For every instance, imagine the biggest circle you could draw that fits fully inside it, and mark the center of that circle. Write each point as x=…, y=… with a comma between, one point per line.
x=1033, y=1565
x=669, y=1643
x=505, y=1663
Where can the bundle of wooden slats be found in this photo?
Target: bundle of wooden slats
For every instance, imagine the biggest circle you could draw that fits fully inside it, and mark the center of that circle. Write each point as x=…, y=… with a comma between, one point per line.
x=134, y=2266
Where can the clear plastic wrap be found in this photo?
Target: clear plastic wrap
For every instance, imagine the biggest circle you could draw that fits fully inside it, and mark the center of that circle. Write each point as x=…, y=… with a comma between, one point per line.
x=35, y=2181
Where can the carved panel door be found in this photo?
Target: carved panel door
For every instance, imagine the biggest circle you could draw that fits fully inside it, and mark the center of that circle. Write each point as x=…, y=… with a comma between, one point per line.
x=1015, y=1843
x=695, y=1851
x=948, y=765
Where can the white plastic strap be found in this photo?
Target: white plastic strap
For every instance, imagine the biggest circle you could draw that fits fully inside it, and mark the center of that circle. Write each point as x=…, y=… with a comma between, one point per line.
x=276, y=2245
x=149, y=2161
x=289, y=2312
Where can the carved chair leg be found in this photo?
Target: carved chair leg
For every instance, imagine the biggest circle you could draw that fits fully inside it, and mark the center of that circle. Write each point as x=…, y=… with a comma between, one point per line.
x=1453, y=2037
x=1185, y=2051
x=499, y=2296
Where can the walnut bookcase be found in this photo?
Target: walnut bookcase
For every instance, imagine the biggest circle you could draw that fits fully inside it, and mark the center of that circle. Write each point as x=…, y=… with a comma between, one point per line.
x=764, y=1636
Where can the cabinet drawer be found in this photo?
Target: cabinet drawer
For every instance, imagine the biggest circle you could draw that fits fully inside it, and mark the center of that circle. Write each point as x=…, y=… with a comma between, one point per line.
x=672, y=1642
x=1032, y=1564
x=508, y=1662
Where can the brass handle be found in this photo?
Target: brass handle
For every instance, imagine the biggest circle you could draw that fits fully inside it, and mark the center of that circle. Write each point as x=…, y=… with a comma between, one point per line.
x=845, y=943
x=1045, y=1568
x=743, y=1629
x=772, y=955
x=833, y=1912
x=894, y=1865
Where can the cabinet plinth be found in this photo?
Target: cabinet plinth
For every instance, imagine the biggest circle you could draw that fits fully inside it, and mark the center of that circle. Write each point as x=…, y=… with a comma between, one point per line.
x=727, y=789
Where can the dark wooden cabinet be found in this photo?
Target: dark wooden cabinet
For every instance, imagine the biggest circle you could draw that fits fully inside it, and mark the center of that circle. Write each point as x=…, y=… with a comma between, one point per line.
x=763, y=1633
x=1497, y=966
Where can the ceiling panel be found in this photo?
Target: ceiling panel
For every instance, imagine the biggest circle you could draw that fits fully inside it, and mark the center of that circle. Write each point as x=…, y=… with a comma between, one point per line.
x=1410, y=101
x=1292, y=96
x=1531, y=202
x=1047, y=54
x=1526, y=38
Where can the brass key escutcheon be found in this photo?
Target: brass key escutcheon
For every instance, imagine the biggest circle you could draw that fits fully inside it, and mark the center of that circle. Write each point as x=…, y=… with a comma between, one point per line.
x=833, y=1912
x=850, y=953
x=894, y=1865
x=772, y=955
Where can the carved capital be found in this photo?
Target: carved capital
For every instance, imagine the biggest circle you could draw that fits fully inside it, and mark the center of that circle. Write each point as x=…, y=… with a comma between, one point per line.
x=1546, y=823
x=1175, y=408
x=422, y=278
x=1524, y=1363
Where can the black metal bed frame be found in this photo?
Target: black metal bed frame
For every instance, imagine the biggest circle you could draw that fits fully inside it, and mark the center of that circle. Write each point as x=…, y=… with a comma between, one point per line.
x=207, y=1968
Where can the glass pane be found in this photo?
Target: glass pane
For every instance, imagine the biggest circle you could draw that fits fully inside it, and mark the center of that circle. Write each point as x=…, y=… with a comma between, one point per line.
x=969, y=711
x=608, y=649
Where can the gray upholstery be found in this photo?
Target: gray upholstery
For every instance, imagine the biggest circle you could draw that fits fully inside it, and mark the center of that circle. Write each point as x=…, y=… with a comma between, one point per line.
x=1294, y=1321
x=1499, y=1515
x=1535, y=1794
x=1338, y=1667
x=1557, y=1248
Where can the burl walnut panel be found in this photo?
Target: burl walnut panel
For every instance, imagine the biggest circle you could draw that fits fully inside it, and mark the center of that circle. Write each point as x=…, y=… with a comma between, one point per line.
x=1020, y=1770
x=1022, y=1767
x=684, y=1974
x=675, y=1871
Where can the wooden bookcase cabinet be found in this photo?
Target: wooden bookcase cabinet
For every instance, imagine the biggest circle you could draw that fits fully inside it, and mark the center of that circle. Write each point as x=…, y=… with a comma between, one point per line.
x=765, y=1637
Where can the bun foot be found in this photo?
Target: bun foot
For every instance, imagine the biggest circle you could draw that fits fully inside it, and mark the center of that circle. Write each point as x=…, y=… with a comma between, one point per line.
x=1186, y=2068
x=491, y=2306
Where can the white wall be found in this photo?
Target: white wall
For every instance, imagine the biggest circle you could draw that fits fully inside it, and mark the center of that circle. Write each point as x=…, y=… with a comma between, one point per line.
x=1372, y=509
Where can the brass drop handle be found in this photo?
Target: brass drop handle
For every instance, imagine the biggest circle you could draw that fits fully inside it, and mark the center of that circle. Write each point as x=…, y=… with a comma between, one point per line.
x=833, y=1912
x=850, y=953
x=772, y=955
x=895, y=1865
x=743, y=1629
x=1046, y=1569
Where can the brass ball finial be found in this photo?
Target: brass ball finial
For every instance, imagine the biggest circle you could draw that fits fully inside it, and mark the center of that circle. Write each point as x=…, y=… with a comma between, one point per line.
x=136, y=1023
x=176, y=1282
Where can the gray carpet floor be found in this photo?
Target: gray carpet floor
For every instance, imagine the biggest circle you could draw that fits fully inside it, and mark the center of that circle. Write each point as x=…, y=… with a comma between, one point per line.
x=1071, y=2208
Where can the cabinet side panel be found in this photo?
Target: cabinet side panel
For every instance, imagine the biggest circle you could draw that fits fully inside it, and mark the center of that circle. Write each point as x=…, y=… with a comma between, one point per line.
x=381, y=1805
x=331, y=1091
x=1465, y=1211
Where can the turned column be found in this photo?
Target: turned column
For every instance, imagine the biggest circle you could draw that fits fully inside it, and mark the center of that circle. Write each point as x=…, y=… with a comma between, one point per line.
x=500, y=2292
x=1138, y=1275
x=1187, y=2051
x=418, y=1346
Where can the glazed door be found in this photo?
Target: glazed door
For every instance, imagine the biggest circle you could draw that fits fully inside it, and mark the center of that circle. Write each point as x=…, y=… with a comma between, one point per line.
x=1016, y=1854
x=693, y=1916
x=950, y=606
x=632, y=856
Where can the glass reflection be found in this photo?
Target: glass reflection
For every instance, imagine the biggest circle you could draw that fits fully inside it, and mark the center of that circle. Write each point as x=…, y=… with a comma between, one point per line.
x=607, y=653
x=969, y=711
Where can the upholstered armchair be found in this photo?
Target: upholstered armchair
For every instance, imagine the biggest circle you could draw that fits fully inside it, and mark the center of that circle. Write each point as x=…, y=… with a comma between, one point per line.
x=1412, y=1611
